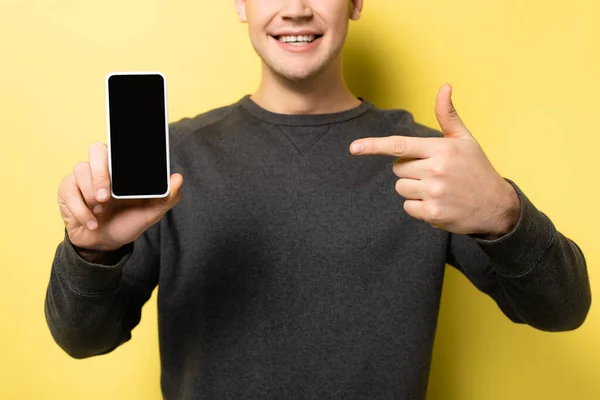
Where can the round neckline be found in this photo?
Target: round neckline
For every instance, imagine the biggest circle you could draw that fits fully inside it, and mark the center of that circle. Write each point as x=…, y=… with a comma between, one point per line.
x=303, y=119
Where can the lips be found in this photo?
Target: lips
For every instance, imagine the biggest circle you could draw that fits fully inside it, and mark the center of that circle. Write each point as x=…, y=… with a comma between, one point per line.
x=297, y=41
x=298, y=36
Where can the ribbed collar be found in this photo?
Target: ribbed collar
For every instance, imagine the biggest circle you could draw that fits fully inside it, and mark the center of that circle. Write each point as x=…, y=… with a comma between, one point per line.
x=303, y=119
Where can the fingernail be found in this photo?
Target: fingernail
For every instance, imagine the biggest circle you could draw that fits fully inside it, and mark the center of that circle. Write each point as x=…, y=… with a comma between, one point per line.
x=357, y=147
x=102, y=194
x=91, y=225
x=97, y=209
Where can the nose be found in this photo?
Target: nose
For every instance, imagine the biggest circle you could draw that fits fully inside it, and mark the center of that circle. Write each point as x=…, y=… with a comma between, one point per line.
x=296, y=10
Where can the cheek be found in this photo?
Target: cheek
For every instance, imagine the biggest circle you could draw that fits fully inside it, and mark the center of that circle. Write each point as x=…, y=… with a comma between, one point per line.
x=337, y=39
x=258, y=15
x=258, y=36
x=337, y=26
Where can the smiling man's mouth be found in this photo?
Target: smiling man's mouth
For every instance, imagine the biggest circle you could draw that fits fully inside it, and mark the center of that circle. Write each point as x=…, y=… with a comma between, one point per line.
x=297, y=39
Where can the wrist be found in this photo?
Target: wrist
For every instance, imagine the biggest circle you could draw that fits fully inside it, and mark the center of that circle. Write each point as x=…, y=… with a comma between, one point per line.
x=509, y=213
x=105, y=257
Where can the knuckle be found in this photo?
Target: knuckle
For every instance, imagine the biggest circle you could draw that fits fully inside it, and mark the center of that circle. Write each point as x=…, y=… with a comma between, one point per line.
x=69, y=199
x=438, y=170
x=399, y=145
x=66, y=183
x=71, y=193
x=437, y=190
x=80, y=167
x=97, y=146
x=101, y=177
x=452, y=110
x=447, y=150
x=433, y=213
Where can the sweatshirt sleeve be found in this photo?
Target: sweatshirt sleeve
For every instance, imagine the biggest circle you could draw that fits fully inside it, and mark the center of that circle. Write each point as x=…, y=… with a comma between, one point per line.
x=92, y=308
x=535, y=274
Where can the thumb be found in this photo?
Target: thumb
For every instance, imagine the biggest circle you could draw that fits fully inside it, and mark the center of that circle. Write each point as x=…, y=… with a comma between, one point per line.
x=451, y=124
x=152, y=211
x=168, y=202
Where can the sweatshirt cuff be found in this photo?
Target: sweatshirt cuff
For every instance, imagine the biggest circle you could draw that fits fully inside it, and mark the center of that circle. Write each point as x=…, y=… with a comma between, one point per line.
x=89, y=278
x=517, y=252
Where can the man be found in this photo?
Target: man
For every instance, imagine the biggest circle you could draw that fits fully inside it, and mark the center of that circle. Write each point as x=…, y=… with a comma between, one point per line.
x=306, y=253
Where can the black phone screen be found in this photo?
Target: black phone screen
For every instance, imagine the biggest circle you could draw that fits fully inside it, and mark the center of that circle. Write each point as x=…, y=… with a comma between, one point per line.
x=138, y=135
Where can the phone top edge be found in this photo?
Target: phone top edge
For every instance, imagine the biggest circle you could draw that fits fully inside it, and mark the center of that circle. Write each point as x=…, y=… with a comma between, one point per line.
x=108, y=75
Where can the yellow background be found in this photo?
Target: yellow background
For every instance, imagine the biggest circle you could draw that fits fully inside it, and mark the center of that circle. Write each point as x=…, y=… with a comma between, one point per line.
x=526, y=77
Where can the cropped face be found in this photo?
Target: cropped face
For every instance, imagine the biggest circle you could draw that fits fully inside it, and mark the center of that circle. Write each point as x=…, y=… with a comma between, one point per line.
x=297, y=39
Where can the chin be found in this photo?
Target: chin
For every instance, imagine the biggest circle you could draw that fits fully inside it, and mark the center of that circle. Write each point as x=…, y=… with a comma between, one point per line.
x=297, y=76
x=294, y=73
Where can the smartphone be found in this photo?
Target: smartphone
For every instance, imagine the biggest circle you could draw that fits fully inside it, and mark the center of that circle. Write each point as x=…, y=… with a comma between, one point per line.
x=138, y=134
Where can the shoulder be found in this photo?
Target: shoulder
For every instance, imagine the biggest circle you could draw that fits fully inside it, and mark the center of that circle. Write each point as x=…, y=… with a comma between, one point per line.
x=183, y=127
x=208, y=125
x=403, y=122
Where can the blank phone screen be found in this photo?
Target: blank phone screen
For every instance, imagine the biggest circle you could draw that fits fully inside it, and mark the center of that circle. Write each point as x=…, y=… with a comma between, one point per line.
x=138, y=135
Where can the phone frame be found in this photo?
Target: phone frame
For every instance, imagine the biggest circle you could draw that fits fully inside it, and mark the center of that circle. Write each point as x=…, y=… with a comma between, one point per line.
x=145, y=196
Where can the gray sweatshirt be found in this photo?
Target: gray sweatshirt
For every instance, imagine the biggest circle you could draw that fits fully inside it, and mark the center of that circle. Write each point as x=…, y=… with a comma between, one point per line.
x=290, y=270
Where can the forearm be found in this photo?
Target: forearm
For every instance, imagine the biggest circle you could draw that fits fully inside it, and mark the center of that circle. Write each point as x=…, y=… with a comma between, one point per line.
x=82, y=304
x=542, y=273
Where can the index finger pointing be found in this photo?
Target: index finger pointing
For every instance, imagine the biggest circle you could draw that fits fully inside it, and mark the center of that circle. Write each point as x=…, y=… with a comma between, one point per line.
x=397, y=146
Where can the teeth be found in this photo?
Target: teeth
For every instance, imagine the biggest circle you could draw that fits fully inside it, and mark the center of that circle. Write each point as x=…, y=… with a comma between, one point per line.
x=297, y=39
